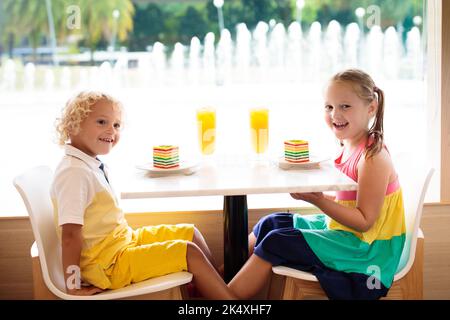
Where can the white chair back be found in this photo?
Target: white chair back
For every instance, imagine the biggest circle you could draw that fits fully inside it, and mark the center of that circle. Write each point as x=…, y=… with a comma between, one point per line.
x=34, y=187
x=414, y=186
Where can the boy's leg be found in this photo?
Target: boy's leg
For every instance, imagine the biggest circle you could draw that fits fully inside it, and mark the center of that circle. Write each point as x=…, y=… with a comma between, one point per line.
x=200, y=241
x=206, y=278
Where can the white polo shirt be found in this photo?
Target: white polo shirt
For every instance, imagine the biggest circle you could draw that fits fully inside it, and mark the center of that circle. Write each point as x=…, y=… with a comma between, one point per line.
x=82, y=195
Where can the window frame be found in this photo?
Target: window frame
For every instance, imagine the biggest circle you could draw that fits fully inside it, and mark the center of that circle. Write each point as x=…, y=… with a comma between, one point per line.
x=438, y=97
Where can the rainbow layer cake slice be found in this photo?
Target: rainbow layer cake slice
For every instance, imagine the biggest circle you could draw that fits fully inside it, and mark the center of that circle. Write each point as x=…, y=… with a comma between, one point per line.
x=165, y=157
x=296, y=151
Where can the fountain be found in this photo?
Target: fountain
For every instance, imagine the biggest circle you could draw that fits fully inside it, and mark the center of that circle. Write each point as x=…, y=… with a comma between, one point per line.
x=224, y=58
x=9, y=75
x=294, y=55
x=194, y=63
x=269, y=53
x=260, y=49
x=414, y=53
x=30, y=75
x=391, y=53
x=177, y=65
x=66, y=78
x=333, y=47
x=209, y=59
x=243, y=51
x=373, y=51
x=351, y=39
x=315, y=51
x=159, y=62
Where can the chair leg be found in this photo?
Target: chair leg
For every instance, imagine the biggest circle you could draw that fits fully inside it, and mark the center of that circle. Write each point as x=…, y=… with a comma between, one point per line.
x=276, y=287
x=297, y=289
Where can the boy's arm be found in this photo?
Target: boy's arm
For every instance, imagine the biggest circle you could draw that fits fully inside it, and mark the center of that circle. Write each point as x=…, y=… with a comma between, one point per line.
x=71, y=253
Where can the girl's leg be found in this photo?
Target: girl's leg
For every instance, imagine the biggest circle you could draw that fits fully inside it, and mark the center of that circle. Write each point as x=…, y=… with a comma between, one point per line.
x=251, y=278
x=206, y=278
x=251, y=243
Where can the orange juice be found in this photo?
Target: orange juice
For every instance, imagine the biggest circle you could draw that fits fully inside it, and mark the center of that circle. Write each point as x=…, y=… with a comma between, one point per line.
x=206, y=124
x=259, y=127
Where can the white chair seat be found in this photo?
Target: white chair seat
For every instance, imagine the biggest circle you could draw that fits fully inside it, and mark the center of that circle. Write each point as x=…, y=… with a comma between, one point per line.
x=294, y=273
x=136, y=289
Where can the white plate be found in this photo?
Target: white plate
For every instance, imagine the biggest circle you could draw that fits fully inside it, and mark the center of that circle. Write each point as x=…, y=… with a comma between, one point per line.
x=185, y=167
x=313, y=163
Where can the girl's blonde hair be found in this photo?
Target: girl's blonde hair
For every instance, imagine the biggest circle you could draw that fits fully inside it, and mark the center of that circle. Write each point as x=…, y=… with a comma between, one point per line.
x=76, y=110
x=365, y=88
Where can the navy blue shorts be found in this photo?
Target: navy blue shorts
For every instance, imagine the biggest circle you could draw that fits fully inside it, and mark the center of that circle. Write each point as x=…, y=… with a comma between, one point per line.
x=278, y=242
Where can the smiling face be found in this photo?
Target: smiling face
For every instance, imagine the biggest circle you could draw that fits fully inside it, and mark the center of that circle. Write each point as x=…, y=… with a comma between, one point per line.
x=346, y=114
x=100, y=130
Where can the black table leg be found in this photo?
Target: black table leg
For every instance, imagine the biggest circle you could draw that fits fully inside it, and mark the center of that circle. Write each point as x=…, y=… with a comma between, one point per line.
x=235, y=215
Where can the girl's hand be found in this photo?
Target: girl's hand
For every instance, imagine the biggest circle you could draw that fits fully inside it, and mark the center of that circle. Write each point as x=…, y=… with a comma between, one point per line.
x=311, y=197
x=84, y=291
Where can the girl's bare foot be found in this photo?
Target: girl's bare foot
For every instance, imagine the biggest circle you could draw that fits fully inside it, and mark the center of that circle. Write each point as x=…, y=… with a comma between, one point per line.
x=220, y=270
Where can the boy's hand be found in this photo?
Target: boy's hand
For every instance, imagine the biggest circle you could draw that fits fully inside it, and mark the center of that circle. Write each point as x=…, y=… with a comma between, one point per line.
x=311, y=197
x=84, y=291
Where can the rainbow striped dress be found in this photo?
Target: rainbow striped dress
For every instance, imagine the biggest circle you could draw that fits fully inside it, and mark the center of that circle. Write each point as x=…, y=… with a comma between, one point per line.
x=358, y=265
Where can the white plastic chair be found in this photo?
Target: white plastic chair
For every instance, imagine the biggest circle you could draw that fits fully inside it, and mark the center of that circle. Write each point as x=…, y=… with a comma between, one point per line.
x=408, y=279
x=34, y=187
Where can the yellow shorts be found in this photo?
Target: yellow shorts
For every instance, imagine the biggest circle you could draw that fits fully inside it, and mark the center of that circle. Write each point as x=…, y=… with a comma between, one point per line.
x=154, y=251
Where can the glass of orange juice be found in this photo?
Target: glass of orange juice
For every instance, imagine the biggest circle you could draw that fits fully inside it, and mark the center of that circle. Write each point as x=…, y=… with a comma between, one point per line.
x=206, y=125
x=259, y=130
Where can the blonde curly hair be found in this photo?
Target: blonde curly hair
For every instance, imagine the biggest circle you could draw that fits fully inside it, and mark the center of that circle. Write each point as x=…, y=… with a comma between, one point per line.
x=76, y=110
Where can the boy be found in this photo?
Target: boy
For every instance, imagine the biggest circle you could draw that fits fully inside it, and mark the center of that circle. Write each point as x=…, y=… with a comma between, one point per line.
x=95, y=237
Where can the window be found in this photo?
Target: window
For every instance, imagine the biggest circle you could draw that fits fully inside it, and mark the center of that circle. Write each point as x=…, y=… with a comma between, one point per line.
x=280, y=62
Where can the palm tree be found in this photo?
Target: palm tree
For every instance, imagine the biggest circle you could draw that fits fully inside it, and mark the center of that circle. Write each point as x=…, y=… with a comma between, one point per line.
x=97, y=20
x=28, y=19
x=12, y=27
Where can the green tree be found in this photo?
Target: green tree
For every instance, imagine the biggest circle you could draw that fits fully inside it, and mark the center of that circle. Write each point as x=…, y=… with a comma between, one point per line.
x=149, y=26
x=258, y=10
x=191, y=24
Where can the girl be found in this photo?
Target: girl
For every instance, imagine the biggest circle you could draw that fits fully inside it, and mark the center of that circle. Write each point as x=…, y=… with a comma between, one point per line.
x=95, y=237
x=354, y=247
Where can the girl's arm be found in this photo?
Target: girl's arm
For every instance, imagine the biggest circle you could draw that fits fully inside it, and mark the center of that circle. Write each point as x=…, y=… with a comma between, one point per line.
x=373, y=179
x=329, y=196
x=71, y=253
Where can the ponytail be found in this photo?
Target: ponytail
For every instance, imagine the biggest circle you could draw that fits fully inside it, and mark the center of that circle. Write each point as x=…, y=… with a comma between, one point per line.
x=375, y=141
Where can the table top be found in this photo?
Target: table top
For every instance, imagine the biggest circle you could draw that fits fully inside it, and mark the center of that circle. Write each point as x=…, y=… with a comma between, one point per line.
x=212, y=179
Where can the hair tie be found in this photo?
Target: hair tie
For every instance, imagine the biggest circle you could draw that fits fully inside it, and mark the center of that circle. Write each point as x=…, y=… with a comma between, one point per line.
x=376, y=133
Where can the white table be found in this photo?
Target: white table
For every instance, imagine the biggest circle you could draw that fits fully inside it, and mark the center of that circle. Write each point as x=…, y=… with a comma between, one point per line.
x=235, y=180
